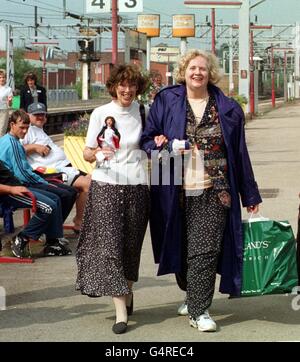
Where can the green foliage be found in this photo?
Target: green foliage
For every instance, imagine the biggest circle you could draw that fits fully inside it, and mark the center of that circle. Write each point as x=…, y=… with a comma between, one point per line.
x=78, y=88
x=145, y=97
x=241, y=99
x=78, y=127
x=21, y=67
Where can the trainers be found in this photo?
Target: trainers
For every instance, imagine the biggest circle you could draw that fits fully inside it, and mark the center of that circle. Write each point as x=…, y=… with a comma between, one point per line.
x=183, y=309
x=204, y=323
x=64, y=241
x=18, y=245
x=57, y=249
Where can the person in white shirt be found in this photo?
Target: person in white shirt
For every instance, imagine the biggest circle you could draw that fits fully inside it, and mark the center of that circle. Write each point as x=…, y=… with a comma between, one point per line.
x=41, y=151
x=6, y=94
x=117, y=208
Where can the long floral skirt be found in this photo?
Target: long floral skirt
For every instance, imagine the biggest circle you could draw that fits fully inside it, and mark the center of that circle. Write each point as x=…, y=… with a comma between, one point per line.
x=111, y=238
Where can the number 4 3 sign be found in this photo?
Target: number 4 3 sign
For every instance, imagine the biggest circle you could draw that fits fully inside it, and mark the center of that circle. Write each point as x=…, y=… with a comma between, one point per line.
x=104, y=6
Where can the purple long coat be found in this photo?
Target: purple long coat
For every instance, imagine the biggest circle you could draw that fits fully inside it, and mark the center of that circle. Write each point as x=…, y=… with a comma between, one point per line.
x=167, y=116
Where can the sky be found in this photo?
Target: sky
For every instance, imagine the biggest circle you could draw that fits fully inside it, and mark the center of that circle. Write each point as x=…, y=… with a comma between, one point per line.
x=51, y=12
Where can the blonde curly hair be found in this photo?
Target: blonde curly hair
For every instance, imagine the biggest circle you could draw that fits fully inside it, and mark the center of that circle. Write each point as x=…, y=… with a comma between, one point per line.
x=212, y=63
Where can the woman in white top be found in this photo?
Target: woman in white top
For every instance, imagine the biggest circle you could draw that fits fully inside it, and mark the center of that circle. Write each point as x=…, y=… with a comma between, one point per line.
x=117, y=208
x=6, y=94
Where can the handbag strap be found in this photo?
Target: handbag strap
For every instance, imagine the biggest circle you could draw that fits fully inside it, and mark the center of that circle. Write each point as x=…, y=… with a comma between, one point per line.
x=143, y=115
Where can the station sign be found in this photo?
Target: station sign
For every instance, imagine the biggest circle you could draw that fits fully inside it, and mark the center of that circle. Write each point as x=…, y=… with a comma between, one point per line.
x=133, y=6
x=149, y=24
x=97, y=6
x=183, y=26
x=213, y=4
x=104, y=6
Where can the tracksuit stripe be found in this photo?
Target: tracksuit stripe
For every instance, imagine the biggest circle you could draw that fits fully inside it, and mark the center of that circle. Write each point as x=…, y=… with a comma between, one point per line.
x=27, y=201
x=16, y=151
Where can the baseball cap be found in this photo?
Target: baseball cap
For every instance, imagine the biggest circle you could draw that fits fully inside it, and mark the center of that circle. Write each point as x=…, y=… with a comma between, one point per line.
x=36, y=108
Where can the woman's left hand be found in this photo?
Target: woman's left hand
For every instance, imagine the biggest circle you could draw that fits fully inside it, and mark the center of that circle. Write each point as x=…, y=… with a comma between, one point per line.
x=254, y=209
x=160, y=140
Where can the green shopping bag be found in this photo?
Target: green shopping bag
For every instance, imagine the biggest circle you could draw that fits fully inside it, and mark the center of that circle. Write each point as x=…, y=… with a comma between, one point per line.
x=269, y=258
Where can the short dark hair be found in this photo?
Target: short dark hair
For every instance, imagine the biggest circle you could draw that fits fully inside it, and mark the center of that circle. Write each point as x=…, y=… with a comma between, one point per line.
x=19, y=114
x=30, y=75
x=126, y=73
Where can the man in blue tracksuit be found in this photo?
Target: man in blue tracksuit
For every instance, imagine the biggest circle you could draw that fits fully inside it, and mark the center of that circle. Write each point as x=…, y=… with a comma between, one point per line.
x=13, y=156
x=47, y=219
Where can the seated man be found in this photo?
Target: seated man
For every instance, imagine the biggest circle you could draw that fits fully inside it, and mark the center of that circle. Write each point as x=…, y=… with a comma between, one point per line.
x=47, y=219
x=13, y=155
x=42, y=151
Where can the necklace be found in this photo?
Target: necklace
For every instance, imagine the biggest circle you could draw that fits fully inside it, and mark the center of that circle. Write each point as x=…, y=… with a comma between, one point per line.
x=198, y=100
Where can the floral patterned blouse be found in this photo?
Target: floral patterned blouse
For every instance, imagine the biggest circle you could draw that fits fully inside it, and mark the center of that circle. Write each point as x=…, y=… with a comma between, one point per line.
x=207, y=135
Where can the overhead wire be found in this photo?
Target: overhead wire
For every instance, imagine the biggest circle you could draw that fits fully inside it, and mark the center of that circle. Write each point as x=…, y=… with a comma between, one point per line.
x=40, y=7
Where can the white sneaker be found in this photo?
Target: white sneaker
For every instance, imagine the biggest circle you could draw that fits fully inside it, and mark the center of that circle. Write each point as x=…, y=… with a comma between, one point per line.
x=64, y=241
x=183, y=309
x=204, y=323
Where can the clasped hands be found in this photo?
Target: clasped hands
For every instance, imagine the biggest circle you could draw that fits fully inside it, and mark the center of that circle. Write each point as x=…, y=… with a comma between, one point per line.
x=178, y=146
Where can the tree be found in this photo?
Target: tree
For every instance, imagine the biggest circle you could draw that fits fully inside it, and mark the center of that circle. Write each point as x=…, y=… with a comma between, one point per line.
x=21, y=67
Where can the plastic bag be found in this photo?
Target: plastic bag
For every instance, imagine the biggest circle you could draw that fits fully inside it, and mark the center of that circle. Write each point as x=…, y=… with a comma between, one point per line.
x=269, y=258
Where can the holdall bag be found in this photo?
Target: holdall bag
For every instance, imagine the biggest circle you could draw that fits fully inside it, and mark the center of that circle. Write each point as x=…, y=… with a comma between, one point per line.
x=269, y=257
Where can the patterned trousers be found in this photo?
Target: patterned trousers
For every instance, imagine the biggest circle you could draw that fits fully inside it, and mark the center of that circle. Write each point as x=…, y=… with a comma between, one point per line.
x=204, y=224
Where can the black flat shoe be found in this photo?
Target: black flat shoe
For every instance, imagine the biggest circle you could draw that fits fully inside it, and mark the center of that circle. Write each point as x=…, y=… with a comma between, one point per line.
x=119, y=328
x=130, y=307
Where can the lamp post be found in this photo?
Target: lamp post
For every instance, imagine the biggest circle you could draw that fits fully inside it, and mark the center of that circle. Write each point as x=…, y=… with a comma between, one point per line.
x=10, y=70
x=252, y=67
x=285, y=50
x=285, y=77
x=213, y=5
x=213, y=31
x=252, y=107
x=273, y=76
x=114, y=31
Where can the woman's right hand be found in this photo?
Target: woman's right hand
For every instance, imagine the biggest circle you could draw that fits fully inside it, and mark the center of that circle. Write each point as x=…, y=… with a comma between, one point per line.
x=89, y=154
x=160, y=140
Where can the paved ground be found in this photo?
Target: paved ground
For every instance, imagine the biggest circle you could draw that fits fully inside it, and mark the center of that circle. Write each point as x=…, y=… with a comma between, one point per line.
x=42, y=304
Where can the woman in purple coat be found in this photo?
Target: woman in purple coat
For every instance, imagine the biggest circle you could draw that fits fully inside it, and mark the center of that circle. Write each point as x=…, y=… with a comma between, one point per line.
x=195, y=224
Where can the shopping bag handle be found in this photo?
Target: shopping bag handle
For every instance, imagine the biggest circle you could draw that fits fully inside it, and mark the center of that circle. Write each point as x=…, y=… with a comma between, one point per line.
x=257, y=217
